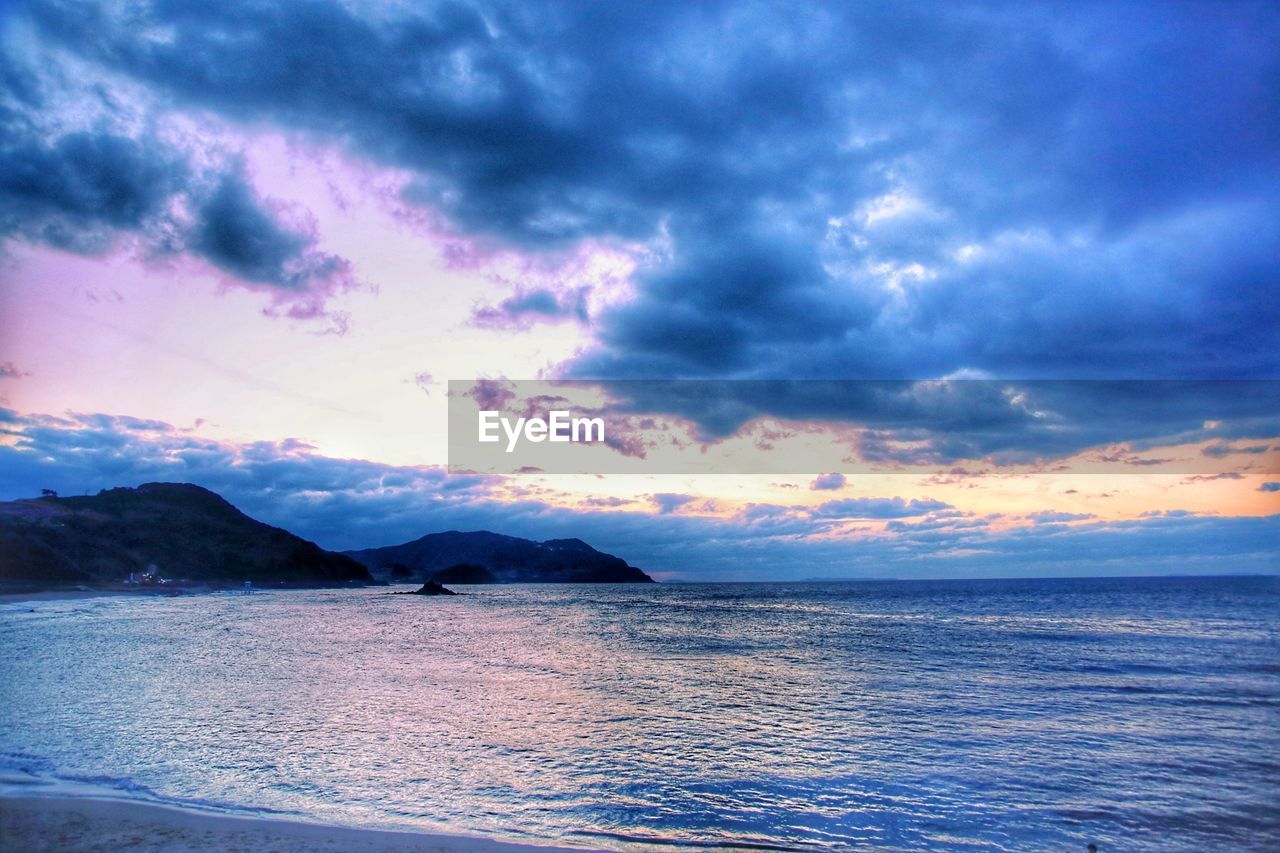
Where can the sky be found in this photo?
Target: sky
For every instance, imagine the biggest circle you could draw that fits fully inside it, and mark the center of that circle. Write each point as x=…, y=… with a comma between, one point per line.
x=247, y=245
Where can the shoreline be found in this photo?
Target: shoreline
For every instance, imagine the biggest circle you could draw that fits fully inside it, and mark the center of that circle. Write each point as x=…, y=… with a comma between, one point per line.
x=62, y=822
x=166, y=591
x=66, y=594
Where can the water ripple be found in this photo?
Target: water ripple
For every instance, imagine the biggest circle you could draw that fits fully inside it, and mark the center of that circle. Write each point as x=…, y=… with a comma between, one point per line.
x=946, y=715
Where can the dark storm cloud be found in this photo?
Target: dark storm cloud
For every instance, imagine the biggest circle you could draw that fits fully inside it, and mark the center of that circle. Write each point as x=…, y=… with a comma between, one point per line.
x=532, y=124
x=238, y=235
x=839, y=190
x=83, y=190
x=710, y=310
x=78, y=192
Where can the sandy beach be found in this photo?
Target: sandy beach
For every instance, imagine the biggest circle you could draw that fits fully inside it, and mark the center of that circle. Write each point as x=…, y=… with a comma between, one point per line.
x=33, y=824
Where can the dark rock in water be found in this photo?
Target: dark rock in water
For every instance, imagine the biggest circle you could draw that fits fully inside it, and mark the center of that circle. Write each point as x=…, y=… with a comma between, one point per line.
x=464, y=573
x=507, y=558
x=431, y=588
x=176, y=531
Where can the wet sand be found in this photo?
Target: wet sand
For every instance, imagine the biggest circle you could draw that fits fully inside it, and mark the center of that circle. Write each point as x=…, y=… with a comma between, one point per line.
x=50, y=823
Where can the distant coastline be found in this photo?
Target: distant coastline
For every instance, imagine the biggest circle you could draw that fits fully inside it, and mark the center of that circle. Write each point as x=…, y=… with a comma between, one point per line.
x=169, y=538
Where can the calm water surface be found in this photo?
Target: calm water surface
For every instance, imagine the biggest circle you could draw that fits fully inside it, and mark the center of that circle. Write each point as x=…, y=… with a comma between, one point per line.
x=1136, y=714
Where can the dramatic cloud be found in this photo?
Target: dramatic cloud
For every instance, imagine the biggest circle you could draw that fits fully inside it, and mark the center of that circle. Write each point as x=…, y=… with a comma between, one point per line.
x=235, y=233
x=895, y=190
x=934, y=422
x=80, y=191
x=85, y=191
x=86, y=166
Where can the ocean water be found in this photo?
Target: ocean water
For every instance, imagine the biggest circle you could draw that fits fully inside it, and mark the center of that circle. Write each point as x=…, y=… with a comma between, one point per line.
x=988, y=715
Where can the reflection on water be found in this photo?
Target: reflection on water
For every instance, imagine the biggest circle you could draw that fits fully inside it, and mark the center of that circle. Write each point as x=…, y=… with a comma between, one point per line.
x=999, y=714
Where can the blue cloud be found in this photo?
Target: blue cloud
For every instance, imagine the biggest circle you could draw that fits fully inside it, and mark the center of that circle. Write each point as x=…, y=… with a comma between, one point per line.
x=669, y=502
x=77, y=191
x=82, y=191
x=828, y=481
x=238, y=235
x=531, y=306
x=892, y=190
x=895, y=507
x=1223, y=448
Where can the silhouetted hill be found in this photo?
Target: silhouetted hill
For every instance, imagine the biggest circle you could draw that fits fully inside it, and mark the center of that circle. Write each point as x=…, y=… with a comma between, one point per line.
x=185, y=532
x=508, y=558
x=463, y=573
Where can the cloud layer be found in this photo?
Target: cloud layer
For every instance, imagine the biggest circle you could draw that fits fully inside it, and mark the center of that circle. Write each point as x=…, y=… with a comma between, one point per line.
x=906, y=189
x=1110, y=423
x=351, y=504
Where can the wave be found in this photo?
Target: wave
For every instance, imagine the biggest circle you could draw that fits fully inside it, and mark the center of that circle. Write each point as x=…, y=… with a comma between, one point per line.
x=26, y=774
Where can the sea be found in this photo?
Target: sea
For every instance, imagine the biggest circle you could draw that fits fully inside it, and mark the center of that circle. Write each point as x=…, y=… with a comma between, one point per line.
x=1130, y=713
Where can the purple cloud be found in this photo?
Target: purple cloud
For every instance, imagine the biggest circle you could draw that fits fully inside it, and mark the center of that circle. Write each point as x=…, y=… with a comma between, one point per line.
x=538, y=305
x=86, y=191
x=669, y=502
x=828, y=481
x=876, y=192
x=1055, y=517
